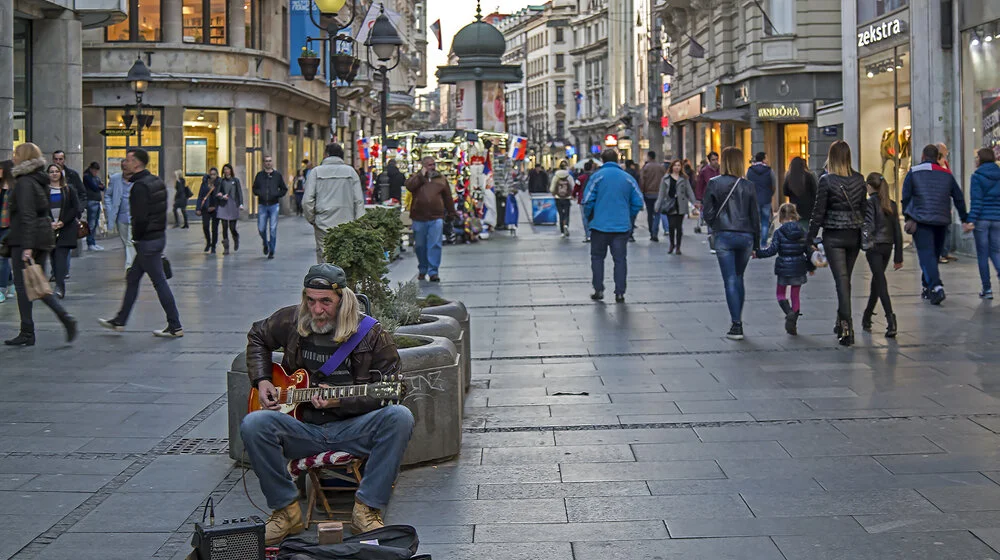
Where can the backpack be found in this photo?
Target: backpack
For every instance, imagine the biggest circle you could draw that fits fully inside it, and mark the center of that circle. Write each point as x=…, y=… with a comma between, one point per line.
x=395, y=542
x=563, y=189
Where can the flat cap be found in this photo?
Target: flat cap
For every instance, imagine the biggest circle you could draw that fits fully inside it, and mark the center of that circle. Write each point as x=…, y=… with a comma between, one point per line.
x=325, y=277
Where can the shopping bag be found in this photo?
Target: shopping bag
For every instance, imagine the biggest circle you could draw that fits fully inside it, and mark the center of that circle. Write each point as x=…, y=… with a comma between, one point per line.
x=36, y=284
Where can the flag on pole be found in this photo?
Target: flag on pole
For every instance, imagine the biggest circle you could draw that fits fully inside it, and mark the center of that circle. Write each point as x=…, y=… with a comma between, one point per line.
x=695, y=50
x=520, y=149
x=436, y=30
x=363, y=149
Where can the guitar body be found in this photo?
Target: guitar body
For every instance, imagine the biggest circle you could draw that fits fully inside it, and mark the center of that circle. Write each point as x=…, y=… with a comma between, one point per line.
x=282, y=381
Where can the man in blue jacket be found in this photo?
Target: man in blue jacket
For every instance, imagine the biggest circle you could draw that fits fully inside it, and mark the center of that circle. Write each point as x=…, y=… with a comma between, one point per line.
x=928, y=193
x=611, y=203
x=763, y=177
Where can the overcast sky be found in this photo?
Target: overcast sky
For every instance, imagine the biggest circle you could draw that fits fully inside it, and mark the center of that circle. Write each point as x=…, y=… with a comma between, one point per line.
x=454, y=15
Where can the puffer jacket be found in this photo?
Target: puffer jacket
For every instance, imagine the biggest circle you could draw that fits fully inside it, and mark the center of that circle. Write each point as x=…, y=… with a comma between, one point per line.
x=882, y=229
x=985, y=193
x=761, y=175
x=789, y=243
x=928, y=193
x=148, y=201
x=840, y=203
x=741, y=214
x=30, y=214
x=333, y=194
x=377, y=351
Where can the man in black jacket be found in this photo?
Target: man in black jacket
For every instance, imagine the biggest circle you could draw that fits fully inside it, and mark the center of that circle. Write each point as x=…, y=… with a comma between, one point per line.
x=269, y=187
x=396, y=180
x=148, y=203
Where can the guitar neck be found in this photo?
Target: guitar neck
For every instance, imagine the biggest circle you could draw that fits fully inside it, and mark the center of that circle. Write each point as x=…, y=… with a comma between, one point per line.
x=326, y=393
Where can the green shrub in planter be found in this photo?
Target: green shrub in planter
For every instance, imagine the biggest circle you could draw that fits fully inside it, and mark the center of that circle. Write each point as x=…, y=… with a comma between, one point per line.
x=432, y=300
x=400, y=308
x=387, y=222
x=358, y=250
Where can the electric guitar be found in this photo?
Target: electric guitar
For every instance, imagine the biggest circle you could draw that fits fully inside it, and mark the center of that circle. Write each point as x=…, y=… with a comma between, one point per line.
x=294, y=390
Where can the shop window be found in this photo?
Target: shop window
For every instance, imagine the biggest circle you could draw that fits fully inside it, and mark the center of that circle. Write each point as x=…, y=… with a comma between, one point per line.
x=205, y=21
x=796, y=144
x=206, y=140
x=885, y=143
x=120, y=137
x=980, y=92
x=255, y=151
x=142, y=24
x=872, y=9
x=251, y=11
x=22, y=79
x=294, y=148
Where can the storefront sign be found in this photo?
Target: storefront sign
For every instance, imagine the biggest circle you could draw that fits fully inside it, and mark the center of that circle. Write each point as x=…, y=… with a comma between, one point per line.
x=784, y=111
x=611, y=140
x=683, y=110
x=109, y=132
x=880, y=32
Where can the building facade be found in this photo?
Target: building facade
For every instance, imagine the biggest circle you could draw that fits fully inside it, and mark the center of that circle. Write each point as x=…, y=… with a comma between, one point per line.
x=514, y=29
x=548, y=82
x=629, y=33
x=752, y=81
x=592, y=117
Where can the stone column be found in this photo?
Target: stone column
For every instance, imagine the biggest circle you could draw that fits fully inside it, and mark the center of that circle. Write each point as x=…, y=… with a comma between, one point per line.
x=237, y=24
x=173, y=22
x=238, y=131
x=6, y=79
x=172, y=140
x=57, y=92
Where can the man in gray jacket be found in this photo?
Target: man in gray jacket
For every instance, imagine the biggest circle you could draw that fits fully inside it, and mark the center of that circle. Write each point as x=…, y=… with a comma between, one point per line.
x=116, y=211
x=332, y=195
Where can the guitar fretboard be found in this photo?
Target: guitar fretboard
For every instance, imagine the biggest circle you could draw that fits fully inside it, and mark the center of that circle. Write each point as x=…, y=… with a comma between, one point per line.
x=326, y=393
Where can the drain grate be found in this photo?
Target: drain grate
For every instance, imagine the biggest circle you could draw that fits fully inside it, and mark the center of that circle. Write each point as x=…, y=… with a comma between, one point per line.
x=199, y=446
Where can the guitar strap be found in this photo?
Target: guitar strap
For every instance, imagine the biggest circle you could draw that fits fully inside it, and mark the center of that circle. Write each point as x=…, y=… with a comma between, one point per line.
x=348, y=346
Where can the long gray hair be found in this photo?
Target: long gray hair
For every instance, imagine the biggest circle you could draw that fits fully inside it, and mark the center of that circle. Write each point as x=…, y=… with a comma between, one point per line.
x=348, y=316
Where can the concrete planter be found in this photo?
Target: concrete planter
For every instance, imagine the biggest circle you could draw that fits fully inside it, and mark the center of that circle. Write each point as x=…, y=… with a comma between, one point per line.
x=434, y=396
x=443, y=326
x=237, y=393
x=457, y=311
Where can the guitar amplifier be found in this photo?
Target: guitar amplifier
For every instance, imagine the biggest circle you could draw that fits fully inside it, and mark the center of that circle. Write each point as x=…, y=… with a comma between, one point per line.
x=233, y=539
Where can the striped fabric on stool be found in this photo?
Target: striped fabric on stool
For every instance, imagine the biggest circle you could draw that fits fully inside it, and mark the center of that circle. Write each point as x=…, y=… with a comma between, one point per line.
x=336, y=464
x=325, y=460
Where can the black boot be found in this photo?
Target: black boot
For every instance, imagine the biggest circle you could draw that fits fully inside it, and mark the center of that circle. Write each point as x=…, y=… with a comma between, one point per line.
x=846, y=332
x=786, y=307
x=866, y=320
x=22, y=339
x=71, y=331
x=890, y=319
x=225, y=247
x=792, y=323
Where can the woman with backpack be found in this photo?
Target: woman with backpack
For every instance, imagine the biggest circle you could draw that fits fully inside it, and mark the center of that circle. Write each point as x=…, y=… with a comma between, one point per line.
x=562, y=188
x=880, y=234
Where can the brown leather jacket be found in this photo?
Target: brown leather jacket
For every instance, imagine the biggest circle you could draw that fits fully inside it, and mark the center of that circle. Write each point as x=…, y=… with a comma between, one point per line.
x=650, y=178
x=377, y=351
x=432, y=198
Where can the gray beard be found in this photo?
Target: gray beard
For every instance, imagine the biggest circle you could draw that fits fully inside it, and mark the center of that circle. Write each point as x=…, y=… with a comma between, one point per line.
x=324, y=329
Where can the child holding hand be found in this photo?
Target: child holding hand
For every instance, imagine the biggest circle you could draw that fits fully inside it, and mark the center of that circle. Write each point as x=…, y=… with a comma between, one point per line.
x=792, y=265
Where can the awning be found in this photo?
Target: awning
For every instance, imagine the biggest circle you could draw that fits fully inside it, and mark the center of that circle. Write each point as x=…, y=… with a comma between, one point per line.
x=741, y=115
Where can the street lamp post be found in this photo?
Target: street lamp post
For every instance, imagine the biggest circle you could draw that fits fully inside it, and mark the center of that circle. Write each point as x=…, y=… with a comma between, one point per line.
x=343, y=67
x=384, y=41
x=139, y=77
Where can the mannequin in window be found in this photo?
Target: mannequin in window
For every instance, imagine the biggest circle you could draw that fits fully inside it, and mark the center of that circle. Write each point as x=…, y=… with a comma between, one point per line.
x=904, y=144
x=887, y=147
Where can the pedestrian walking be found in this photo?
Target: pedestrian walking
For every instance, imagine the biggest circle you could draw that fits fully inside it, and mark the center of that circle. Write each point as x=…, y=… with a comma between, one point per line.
x=229, y=202
x=538, y=180
x=299, y=189
x=73, y=179
x=674, y=200
x=650, y=181
x=928, y=194
x=689, y=171
x=269, y=187
x=561, y=187
x=942, y=162
x=611, y=203
x=762, y=176
x=984, y=213
x=6, y=193
x=207, y=207
x=396, y=180
x=708, y=171
x=733, y=216
x=800, y=188
x=148, y=208
x=579, y=192
x=65, y=210
x=879, y=236
x=431, y=203
x=332, y=195
x=181, y=196
x=116, y=212
x=839, y=210
x=792, y=266
x=94, y=188
x=31, y=238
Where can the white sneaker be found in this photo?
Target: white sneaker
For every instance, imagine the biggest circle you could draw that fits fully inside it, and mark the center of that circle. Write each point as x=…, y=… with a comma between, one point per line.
x=713, y=251
x=3, y=296
x=97, y=248
x=169, y=333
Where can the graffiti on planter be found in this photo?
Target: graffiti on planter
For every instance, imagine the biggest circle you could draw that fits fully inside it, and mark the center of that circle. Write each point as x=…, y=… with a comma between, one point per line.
x=423, y=386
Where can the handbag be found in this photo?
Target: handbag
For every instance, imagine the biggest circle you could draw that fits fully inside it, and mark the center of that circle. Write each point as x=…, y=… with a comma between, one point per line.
x=36, y=284
x=83, y=230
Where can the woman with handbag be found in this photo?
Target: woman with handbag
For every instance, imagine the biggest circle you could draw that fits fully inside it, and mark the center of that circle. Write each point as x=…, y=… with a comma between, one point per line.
x=839, y=210
x=31, y=237
x=65, y=209
x=181, y=196
x=229, y=199
x=880, y=234
x=674, y=203
x=731, y=210
x=206, y=208
x=6, y=191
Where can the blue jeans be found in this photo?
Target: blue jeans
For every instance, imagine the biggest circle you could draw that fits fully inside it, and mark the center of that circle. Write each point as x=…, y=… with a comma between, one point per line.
x=273, y=438
x=987, y=234
x=733, y=249
x=267, y=219
x=5, y=270
x=652, y=216
x=93, y=213
x=929, y=241
x=148, y=260
x=600, y=242
x=586, y=222
x=428, y=241
x=765, y=223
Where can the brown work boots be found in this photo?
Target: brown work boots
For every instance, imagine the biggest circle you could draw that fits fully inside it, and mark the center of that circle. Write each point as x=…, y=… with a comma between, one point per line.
x=284, y=522
x=366, y=518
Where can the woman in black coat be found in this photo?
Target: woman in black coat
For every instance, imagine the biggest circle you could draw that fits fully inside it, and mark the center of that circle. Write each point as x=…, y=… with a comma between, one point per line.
x=800, y=188
x=181, y=195
x=65, y=210
x=207, y=206
x=30, y=237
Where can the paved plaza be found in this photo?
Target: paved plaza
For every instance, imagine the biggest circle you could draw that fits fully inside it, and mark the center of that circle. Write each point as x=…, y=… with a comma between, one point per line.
x=592, y=432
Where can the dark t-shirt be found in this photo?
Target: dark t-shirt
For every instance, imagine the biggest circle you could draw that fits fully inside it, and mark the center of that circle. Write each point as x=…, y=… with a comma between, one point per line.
x=316, y=350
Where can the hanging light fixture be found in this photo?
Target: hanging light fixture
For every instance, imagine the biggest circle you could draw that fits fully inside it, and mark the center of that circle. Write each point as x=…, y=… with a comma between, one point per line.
x=975, y=39
x=988, y=35
x=870, y=73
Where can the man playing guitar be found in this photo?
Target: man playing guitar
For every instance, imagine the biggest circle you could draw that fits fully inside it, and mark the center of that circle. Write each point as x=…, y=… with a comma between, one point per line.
x=310, y=333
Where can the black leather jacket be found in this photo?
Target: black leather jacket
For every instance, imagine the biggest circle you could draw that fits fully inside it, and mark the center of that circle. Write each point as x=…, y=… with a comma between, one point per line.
x=840, y=203
x=740, y=213
x=882, y=229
